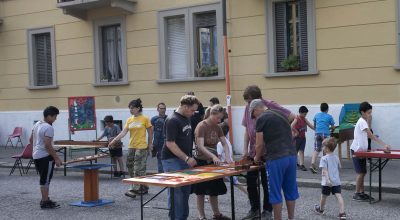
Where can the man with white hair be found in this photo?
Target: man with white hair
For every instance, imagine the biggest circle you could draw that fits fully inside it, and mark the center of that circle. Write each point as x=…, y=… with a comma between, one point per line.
x=274, y=142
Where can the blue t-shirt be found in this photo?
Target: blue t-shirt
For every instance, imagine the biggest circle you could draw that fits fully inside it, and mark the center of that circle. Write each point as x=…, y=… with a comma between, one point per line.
x=322, y=122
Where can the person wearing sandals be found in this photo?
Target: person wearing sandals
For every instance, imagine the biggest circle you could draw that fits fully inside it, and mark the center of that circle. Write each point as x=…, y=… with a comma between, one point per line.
x=208, y=134
x=137, y=125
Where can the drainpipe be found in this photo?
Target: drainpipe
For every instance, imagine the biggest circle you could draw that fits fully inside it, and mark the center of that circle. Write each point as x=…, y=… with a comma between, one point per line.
x=227, y=74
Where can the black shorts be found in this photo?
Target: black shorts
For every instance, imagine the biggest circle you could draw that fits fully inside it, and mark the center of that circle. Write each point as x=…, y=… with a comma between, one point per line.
x=45, y=167
x=300, y=143
x=360, y=164
x=116, y=152
x=327, y=190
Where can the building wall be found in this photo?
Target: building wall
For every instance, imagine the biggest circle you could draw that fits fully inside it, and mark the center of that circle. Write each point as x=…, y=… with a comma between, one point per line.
x=355, y=41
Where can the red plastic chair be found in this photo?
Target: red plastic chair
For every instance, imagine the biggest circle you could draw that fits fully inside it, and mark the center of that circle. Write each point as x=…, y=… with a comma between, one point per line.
x=26, y=154
x=16, y=134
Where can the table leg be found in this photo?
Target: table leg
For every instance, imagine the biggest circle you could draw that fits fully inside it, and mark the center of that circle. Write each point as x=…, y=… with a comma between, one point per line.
x=232, y=197
x=172, y=208
x=91, y=185
x=380, y=179
x=141, y=206
x=95, y=152
x=259, y=194
x=65, y=160
x=370, y=181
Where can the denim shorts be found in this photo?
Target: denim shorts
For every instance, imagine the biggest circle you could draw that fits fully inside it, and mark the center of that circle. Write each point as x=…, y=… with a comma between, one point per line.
x=318, y=141
x=360, y=164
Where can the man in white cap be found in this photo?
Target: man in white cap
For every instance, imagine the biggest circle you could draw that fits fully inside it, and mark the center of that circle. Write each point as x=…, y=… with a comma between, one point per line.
x=274, y=142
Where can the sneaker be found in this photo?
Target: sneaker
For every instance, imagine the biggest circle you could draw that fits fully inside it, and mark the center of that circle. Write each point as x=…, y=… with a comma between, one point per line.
x=49, y=205
x=130, y=194
x=303, y=168
x=140, y=191
x=266, y=215
x=313, y=169
x=221, y=217
x=317, y=209
x=366, y=196
x=342, y=216
x=122, y=173
x=359, y=197
x=252, y=214
x=298, y=165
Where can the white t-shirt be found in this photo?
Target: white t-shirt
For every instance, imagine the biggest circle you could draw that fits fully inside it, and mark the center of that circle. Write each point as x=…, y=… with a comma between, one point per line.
x=360, y=142
x=40, y=130
x=221, y=152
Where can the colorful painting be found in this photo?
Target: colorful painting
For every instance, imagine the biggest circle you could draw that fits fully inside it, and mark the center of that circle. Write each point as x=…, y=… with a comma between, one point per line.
x=82, y=113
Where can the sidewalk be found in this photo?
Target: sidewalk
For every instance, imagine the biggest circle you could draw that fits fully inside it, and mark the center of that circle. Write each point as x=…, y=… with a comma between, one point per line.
x=390, y=181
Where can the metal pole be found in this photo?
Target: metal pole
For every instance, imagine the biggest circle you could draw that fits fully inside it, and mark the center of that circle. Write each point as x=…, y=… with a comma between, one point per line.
x=227, y=73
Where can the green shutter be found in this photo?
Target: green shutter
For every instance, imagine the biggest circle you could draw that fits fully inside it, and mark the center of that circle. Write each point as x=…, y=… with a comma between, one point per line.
x=280, y=34
x=303, y=35
x=43, y=61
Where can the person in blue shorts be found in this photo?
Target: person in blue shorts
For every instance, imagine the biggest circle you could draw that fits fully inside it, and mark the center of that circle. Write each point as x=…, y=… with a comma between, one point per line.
x=274, y=143
x=322, y=122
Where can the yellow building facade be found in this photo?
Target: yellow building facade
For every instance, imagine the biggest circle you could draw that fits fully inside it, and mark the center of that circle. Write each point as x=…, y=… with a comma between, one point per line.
x=348, y=52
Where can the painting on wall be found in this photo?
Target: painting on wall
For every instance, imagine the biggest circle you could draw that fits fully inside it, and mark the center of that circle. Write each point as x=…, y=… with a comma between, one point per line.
x=82, y=113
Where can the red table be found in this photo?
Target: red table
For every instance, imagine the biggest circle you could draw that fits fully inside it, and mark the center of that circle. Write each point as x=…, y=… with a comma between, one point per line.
x=381, y=160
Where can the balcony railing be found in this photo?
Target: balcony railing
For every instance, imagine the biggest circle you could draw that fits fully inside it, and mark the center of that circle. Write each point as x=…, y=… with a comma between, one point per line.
x=79, y=8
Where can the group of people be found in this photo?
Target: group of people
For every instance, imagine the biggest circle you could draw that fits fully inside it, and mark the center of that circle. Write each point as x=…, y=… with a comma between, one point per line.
x=192, y=137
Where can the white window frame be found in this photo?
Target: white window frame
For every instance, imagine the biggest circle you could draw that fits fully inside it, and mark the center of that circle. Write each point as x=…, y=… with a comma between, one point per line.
x=31, y=57
x=97, y=24
x=270, y=37
x=190, y=33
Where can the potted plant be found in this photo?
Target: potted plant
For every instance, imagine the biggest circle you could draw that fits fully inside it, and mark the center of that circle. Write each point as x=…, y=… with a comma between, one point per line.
x=291, y=63
x=207, y=71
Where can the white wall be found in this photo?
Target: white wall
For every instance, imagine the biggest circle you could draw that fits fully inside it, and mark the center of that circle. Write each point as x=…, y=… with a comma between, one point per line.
x=386, y=123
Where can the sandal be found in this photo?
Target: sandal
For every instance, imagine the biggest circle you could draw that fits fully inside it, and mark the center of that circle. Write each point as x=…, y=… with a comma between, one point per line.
x=202, y=218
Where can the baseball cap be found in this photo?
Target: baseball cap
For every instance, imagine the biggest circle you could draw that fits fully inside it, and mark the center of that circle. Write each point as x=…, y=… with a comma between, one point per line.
x=254, y=104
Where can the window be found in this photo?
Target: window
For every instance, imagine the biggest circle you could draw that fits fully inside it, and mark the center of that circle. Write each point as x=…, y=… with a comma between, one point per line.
x=191, y=43
x=291, y=44
x=41, y=49
x=110, y=52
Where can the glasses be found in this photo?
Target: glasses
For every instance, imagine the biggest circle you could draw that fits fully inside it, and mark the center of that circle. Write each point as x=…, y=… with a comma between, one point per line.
x=162, y=108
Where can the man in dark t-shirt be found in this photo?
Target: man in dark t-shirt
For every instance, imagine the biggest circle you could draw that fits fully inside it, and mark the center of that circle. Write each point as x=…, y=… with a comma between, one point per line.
x=274, y=141
x=177, y=152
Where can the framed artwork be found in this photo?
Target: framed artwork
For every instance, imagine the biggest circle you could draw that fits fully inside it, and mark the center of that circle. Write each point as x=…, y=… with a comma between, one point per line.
x=82, y=113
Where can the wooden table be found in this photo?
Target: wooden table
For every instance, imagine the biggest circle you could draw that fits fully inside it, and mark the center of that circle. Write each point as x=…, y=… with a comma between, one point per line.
x=191, y=176
x=379, y=155
x=91, y=186
x=63, y=145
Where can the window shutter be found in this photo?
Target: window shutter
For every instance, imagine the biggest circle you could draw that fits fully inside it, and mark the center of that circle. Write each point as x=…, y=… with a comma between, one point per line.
x=303, y=35
x=176, y=48
x=43, y=62
x=206, y=19
x=280, y=34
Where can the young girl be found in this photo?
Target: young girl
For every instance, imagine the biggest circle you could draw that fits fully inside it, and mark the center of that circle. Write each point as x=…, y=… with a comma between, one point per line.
x=137, y=126
x=208, y=134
